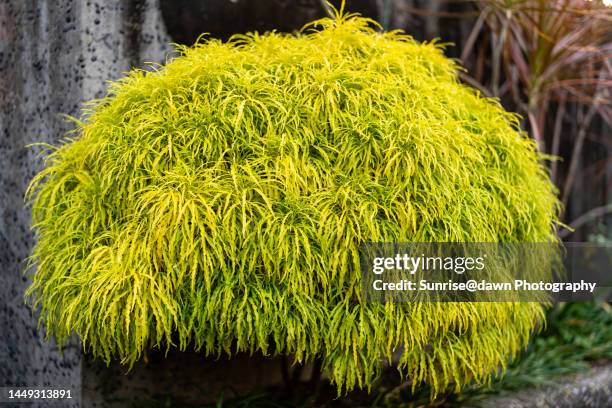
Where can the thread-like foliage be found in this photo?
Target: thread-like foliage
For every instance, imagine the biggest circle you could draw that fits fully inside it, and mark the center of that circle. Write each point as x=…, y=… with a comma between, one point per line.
x=219, y=203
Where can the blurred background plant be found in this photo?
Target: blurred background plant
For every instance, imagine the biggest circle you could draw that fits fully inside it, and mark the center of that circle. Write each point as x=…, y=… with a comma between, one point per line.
x=550, y=62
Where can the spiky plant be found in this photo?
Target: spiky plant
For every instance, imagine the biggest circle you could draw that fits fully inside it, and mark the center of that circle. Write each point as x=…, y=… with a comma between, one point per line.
x=219, y=203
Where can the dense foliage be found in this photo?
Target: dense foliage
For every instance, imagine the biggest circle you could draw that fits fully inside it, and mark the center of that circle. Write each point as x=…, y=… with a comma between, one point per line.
x=219, y=203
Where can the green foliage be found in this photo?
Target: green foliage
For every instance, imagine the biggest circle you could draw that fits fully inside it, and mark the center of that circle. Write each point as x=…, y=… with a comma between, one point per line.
x=219, y=203
x=577, y=334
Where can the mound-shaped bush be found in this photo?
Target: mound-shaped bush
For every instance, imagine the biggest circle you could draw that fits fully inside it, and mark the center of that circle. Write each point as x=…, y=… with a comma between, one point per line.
x=219, y=203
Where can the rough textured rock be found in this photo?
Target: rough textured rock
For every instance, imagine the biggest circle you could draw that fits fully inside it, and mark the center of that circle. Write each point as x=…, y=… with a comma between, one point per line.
x=591, y=389
x=53, y=56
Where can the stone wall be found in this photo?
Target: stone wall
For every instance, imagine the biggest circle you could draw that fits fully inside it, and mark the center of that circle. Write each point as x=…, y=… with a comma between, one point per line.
x=53, y=56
